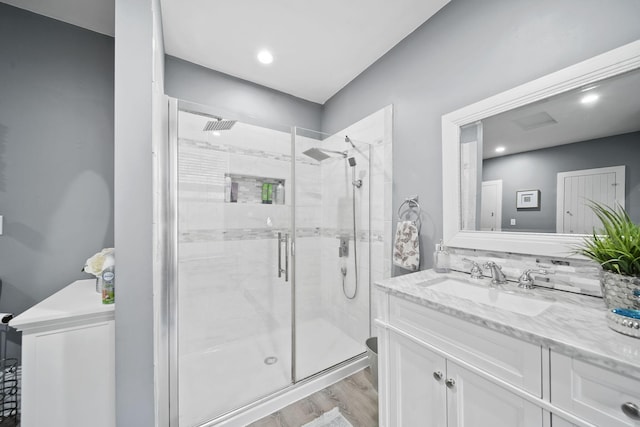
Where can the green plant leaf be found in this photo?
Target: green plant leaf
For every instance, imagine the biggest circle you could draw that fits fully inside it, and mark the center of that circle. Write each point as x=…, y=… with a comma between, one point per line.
x=616, y=247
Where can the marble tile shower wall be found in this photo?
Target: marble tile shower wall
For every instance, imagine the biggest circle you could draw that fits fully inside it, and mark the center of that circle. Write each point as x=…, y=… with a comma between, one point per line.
x=228, y=251
x=579, y=276
x=372, y=136
x=337, y=219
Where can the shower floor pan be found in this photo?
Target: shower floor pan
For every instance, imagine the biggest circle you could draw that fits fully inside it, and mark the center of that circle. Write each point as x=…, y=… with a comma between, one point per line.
x=220, y=380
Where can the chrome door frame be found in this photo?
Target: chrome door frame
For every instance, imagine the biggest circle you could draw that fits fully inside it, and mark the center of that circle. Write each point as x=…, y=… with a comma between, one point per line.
x=168, y=370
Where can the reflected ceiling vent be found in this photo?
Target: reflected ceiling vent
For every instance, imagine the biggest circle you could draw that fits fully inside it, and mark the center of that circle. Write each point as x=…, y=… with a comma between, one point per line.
x=219, y=124
x=535, y=121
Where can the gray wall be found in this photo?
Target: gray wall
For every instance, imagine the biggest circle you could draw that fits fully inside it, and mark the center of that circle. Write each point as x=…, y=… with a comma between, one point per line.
x=468, y=51
x=538, y=170
x=56, y=154
x=191, y=82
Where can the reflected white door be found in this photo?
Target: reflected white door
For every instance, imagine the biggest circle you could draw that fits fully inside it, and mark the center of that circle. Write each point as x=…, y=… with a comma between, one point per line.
x=577, y=188
x=491, y=206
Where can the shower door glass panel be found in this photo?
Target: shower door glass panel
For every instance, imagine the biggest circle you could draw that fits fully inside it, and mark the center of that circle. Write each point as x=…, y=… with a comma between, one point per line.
x=233, y=296
x=331, y=310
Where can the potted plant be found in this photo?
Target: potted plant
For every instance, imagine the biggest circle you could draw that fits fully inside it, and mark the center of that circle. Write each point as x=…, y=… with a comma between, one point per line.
x=616, y=247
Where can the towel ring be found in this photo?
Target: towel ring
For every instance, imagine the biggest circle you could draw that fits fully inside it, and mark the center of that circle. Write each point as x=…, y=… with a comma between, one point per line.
x=411, y=202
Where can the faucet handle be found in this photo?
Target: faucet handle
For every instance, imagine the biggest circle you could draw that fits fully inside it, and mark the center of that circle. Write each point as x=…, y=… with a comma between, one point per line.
x=490, y=264
x=526, y=280
x=476, y=270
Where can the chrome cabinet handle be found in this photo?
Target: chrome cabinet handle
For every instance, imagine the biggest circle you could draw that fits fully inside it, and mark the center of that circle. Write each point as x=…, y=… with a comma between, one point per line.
x=437, y=375
x=631, y=410
x=450, y=382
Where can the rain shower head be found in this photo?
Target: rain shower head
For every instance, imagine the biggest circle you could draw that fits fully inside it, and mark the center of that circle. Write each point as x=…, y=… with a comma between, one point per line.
x=319, y=154
x=316, y=154
x=219, y=124
x=349, y=141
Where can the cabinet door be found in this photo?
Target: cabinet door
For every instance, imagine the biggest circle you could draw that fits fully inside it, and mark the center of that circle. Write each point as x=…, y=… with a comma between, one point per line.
x=593, y=393
x=556, y=421
x=476, y=402
x=416, y=397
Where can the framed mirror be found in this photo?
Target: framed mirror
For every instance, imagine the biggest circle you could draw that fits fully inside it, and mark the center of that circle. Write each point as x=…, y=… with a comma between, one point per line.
x=518, y=167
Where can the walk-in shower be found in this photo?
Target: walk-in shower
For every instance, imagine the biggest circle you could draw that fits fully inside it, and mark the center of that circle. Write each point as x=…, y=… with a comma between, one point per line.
x=263, y=299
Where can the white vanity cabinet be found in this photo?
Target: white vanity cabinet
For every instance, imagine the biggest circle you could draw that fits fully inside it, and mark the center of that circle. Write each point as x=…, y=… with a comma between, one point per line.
x=436, y=370
x=426, y=389
x=593, y=393
x=68, y=360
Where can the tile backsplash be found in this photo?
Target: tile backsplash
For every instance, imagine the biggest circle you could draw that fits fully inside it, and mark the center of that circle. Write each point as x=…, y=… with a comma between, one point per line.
x=572, y=275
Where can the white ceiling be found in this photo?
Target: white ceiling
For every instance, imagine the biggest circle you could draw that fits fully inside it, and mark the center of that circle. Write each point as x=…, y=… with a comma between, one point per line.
x=616, y=112
x=319, y=45
x=95, y=15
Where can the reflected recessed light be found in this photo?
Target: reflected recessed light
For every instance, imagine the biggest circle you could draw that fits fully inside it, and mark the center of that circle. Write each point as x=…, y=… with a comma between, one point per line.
x=265, y=57
x=500, y=149
x=216, y=133
x=585, y=89
x=590, y=98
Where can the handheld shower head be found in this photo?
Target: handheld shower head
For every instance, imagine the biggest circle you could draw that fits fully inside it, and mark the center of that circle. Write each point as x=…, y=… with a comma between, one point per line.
x=357, y=183
x=349, y=141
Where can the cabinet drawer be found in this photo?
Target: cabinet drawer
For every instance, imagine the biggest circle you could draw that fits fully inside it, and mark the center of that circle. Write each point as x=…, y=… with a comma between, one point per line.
x=592, y=393
x=517, y=362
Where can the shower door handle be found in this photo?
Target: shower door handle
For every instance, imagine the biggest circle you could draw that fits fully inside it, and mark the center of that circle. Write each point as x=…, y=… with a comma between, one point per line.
x=284, y=270
x=279, y=254
x=286, y=257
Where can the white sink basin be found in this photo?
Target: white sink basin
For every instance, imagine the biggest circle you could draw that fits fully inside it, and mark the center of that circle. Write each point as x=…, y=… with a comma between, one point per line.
x=484, y=294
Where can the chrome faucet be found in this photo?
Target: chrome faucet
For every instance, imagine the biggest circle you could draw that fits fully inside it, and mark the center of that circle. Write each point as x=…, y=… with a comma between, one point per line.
x=496, y=273
x=476, y=270
x=526, y=279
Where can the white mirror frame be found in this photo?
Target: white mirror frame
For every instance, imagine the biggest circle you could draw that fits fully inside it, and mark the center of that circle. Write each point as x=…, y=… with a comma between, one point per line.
x=600, y=67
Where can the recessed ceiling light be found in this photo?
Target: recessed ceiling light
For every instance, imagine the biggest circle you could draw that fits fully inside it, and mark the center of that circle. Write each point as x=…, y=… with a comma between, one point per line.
x=590, y=98
x=500, y=149
x=216, y=133
x=265, y=57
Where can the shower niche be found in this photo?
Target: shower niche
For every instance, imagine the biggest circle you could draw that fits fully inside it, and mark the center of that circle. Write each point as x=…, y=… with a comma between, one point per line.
x=240, y=188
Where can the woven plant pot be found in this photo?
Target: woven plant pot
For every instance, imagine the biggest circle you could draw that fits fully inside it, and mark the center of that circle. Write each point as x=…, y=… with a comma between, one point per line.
x=618, y=290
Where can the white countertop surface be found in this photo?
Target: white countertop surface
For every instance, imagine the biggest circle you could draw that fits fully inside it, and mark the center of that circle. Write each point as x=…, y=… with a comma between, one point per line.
x=574, y=325
x=77, y=302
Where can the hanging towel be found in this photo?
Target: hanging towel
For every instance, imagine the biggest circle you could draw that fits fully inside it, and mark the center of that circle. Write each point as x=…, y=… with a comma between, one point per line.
x=406, y=248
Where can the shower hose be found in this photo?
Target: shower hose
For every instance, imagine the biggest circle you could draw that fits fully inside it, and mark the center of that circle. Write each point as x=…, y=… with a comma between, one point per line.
x=355, y=244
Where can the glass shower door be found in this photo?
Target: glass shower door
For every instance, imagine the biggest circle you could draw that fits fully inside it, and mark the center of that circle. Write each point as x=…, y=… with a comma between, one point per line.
x=234, y=272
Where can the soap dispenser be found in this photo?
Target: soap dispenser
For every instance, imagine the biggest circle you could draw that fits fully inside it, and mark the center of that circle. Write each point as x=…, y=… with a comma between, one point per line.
x=441, y=259
x=280, y=193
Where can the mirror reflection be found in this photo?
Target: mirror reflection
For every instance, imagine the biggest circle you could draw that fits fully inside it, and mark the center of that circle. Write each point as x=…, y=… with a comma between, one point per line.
x=533, y=168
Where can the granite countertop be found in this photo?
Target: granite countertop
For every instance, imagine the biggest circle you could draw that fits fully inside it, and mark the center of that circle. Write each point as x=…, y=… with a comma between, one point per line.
x=78, y=302
x=574, y=324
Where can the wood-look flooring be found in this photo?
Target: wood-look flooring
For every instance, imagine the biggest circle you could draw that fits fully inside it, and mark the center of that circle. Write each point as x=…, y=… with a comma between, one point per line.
x=354, y=395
